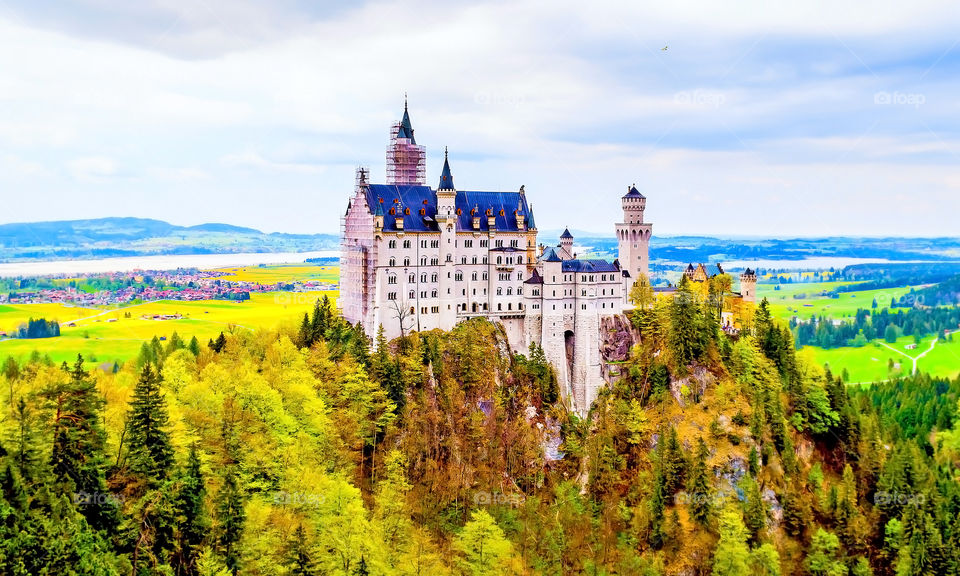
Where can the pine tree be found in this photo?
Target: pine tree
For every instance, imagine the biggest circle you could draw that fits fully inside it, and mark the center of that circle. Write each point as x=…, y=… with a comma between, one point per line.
x=77, y=457
x=192, y=520
x=731, y=555
x=305, y=334
x=151, y=455
x=698, y=486
x=194, y=346
x=230, y=519
x=301, y=563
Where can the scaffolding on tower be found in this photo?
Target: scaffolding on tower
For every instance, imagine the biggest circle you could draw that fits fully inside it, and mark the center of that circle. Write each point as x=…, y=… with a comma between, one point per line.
x=406, y=161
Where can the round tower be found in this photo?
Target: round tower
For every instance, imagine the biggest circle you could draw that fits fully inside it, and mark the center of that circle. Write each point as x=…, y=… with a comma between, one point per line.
x=633, y=236
x=748, y=285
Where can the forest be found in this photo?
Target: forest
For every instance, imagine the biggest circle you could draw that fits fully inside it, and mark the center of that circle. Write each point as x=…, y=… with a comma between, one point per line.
x=310, y=450
x=887, y=323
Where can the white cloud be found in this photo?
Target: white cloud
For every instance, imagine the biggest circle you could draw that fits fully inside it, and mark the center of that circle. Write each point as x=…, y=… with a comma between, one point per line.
x=92, y=168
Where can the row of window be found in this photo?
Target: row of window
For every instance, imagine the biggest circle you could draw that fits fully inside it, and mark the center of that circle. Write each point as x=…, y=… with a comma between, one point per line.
x=392, y=244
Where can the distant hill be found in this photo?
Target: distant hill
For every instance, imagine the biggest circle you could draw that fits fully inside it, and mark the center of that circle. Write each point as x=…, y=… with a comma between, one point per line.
x=106, y=237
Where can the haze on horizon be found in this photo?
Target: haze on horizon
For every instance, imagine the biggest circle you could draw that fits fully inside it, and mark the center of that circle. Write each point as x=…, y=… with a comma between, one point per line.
x=807, y=119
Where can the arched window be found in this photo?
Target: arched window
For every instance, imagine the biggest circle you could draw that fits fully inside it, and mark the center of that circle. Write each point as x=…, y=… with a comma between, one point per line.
x=406, y=261
x=393, y=262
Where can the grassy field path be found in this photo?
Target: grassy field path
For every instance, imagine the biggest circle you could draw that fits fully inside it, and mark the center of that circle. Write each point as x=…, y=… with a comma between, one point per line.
x=913, y=358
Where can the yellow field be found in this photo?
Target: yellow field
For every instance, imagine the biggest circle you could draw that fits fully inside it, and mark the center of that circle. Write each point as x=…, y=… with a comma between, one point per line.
x=108, y=335
x=13, y=315
x=281, y=273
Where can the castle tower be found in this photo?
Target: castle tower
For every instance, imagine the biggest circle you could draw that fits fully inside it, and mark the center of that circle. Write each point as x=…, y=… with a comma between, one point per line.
x=566, y=243
x=447, y=223
x=748, y=285
x=633, y=235
x=406, y=162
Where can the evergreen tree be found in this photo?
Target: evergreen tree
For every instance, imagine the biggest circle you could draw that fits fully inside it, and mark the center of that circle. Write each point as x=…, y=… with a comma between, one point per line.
x=151, y=454
x=305, y=333
x=731, y=555
x=194, y=346
x=230, y=519
x=192, y=520
x=698, y=486
x=79, y=439
x=301, y=563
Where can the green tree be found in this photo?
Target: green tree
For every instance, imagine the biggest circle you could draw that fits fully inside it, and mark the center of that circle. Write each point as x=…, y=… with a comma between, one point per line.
x=483, y=545
x=698, y=486
x=822, y=559
x=191, y=517
x=231, y=517
x=151, y=455
x=731, y=555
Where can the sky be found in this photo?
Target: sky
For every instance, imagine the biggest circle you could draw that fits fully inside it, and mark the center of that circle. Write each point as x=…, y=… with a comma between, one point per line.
x=816, y=118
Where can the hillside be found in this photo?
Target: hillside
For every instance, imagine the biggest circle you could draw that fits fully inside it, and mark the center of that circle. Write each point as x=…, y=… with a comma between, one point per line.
x=307, y=451
x=107, y=237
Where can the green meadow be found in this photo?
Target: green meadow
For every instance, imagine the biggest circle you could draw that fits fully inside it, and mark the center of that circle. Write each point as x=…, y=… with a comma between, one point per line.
x=784, y=305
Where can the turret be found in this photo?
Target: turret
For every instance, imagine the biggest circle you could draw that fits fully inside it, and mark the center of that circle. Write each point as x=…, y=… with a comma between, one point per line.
x=566, y=242
x=406, y=162
x=633, y=204
x=748, y=285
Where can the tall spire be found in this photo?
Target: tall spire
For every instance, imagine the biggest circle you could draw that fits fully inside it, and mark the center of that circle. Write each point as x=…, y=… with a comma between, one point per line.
x=446, y=177
x=406, y=128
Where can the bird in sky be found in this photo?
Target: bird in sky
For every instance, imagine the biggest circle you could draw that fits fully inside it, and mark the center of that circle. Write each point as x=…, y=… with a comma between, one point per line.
x=664, y=49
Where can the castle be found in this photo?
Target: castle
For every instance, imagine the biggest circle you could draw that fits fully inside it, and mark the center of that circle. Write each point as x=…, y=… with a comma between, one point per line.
x=416, y=258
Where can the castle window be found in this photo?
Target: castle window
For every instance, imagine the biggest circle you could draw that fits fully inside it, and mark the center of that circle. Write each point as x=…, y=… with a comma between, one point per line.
x=519, y=275
x=499, y=243
x=392, y=244
x=412, y=278
x=484, y=259
x=499, y=291
x=391, y=296
x=449, y=257
x=434, y=261
x=515, y=243
x=474, y=259
x=423, y=277
x=393, y=262
x=484, y=275
x=423, y=293
x=499, y=260
x=463, y=260
x=519, y=259
x=413, y=294
x=473, y=276
x=499, y=307
x=509, y=306
x=509, y=291
x=468, y=243
x=391, y=279
x=423, y=243
x=433, y=278
x=433, y=294
x=423, y=261
x=484, y=243
x=406, y=243
x=458, y=276
x=434, y=243
x=435, y=310
x=406, y=261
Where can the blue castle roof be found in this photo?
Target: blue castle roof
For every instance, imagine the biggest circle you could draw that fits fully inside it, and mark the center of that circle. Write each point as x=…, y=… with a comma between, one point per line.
x=633, y=193
x=589, y=266
x=504, y=207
